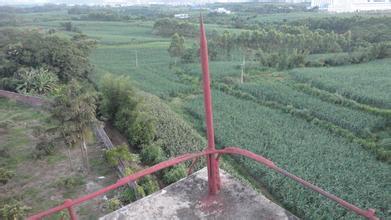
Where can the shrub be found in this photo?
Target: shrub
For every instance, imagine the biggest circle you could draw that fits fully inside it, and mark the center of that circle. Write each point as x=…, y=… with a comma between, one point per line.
x=120, y=105
x=71, y=182
x=43, y=148
x=69, y=26
x=140, y=193
x=117, y=94
x=174, y=174
x=124, y=118
x=149, y=184
x=282, y=59
x=190, y=55
x=8, y=83
x=61, y=215
x=131, y=195
x=338, y=60
x=128, y=171
x=142, y=130
x=152, y=154
x=36, y=81
x=113, y=204
x=14, y=210
x=176, y=135
x=128, y=196
x=5, y=175
x=113, y=156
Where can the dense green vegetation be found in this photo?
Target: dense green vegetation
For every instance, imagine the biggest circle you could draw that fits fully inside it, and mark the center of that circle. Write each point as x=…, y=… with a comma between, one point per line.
x=303, y=149
x=309, y=90
x=34, y=62
x=150, y=126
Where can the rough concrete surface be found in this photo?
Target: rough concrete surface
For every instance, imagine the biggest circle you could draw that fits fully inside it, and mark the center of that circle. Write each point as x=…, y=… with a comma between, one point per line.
x=187, y=199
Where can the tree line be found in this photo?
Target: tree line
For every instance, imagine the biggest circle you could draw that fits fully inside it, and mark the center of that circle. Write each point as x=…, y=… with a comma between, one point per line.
x=107, y=13
x=363, y=29
x=166, y=27
x=283, y=47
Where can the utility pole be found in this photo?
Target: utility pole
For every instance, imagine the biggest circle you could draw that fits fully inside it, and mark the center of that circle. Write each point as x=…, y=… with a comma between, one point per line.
x=136, y=60
x=243, y=69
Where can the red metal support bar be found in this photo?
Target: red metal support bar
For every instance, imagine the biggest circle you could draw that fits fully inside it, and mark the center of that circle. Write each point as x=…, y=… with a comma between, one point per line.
x=369, y=214
x=71, y=211
x=212, y=163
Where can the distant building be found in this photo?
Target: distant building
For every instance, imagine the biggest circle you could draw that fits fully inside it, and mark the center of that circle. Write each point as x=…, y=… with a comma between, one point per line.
x=297, y=1
x=351, y=5
x=181, y=16
x=222, y=11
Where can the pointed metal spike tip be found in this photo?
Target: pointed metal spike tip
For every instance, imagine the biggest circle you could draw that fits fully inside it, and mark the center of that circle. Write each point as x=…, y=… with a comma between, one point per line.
x=203, y=42
x=206, y=85
x=212, y=163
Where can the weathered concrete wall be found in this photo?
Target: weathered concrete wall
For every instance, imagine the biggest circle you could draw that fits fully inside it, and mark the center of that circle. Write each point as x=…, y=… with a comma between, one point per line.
x=29, y=100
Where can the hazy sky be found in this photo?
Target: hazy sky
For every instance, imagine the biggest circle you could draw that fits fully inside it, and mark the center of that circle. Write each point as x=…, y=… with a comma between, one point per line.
x=16, y=2
x=105, y=2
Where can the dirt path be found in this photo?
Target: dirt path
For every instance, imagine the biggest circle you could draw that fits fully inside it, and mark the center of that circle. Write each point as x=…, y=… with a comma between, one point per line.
x=117, y=138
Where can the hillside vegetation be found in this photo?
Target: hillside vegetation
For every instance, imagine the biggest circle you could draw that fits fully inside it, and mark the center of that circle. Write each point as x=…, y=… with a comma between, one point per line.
x=35, y=178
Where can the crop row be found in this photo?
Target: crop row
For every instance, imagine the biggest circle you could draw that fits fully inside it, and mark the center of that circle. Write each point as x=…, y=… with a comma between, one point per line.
x=152, y=73
x=359, y=122
x=340, y=100
x=313, y=153
x=368, y=83
x=380, y=150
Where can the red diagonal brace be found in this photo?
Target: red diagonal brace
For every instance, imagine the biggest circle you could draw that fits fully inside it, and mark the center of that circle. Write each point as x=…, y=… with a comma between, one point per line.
x=212, y=163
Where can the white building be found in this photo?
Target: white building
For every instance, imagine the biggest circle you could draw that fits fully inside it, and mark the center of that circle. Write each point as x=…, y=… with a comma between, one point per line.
x=351, y=5
x=222, y=11
x=182, y=16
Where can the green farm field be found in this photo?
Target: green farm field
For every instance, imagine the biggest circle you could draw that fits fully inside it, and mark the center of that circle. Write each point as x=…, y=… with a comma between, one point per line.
x=317, y=153
x=328, y=125
x=367, y=83
x=302, y=148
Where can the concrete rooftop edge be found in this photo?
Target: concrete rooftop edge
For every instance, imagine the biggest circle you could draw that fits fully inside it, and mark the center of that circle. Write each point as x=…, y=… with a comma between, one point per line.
x=188, y=199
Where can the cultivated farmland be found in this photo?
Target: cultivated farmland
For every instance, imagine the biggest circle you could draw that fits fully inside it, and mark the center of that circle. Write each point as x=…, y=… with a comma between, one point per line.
x=303, y=149
x=327, y=122
x=366, y=83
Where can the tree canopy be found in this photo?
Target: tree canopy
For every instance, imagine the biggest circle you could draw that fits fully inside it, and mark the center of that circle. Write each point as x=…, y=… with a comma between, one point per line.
x=66, y=58
x=177, y=46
